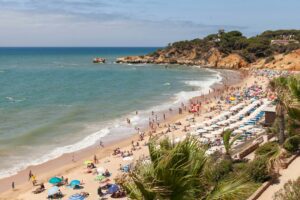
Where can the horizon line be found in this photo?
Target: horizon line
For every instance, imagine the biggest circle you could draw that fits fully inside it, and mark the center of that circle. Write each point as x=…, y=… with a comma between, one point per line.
x=82, y=46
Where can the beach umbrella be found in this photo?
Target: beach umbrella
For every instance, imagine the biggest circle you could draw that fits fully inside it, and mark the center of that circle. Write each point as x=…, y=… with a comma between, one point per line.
x=87, y=162
x=55, y=180
x=201, y=131
x=99, y=178
x=238, y=131
x=177, y=140
x=100, y=170
x=208, y=128
x=194, y=133
x=113, y=188
x=76, y=197
x=74, y=183
x=128, y=158
x=214, y=126
x=53, y=190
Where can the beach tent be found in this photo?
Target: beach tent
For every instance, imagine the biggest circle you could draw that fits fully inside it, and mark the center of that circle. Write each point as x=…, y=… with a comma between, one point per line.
x=113, y=188
x=54, y=190
x=55, y=180
x=74, y=183
x=76, y=197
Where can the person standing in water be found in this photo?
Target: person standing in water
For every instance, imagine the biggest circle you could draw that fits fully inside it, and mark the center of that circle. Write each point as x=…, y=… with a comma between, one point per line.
x=101, y=144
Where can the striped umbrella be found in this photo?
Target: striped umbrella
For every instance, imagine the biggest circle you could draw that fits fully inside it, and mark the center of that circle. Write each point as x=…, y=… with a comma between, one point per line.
x=76, y=197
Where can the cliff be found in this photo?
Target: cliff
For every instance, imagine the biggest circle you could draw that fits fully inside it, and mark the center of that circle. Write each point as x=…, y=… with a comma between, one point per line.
x=212, y=58
x=290, y=61
x=230, y=50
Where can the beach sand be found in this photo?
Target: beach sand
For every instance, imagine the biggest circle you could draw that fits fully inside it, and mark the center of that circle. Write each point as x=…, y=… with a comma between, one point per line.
x=64, y=166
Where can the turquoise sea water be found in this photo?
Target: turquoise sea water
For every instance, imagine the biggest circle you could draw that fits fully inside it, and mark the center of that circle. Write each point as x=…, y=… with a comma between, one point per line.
x=55, y=100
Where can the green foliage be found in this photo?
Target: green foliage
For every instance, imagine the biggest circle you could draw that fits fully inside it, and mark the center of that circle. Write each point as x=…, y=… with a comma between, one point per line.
x=287, y=90
x=290, y=191
x=220, y=169
x=258, y=170
x=267, y=150
x=292, y=143
x=234, y=42
x=183, y=171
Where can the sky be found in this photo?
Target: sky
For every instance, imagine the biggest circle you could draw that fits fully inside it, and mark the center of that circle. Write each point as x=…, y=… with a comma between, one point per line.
x=115, y=23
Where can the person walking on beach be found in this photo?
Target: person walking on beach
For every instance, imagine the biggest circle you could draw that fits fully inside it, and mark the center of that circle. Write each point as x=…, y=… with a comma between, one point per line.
x=30, y=175
x=73, y=157
x=95, y=159
x=13, y=186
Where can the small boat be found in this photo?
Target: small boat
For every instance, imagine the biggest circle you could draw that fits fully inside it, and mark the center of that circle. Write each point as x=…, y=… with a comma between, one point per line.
x=98, y=60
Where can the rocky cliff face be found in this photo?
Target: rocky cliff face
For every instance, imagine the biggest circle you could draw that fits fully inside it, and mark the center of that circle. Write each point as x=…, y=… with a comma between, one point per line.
x=289, y=61
x=211, y=58
x=215, y=59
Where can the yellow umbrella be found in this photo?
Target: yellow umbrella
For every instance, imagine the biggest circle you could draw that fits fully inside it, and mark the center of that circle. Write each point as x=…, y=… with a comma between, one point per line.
x=87, y=162
x=33, y=178
x=232, y=98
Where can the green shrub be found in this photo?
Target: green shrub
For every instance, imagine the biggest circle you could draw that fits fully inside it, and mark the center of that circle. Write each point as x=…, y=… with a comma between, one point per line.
x=258, y=170
x=267, y=149
x=269, y=59
x=292, y=143
x=221, y=169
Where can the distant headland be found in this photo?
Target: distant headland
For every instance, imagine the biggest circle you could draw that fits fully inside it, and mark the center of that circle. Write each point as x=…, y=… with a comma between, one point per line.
x=278, y=49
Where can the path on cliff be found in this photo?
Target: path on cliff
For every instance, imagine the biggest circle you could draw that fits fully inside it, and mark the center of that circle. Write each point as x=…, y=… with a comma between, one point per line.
x=291, y=173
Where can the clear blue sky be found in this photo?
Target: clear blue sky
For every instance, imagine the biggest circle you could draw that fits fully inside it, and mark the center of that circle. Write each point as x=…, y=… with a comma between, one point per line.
x=136, y=22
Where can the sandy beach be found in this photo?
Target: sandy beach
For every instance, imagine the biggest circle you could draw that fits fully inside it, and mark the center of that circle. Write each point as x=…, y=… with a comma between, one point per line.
x=72, y=166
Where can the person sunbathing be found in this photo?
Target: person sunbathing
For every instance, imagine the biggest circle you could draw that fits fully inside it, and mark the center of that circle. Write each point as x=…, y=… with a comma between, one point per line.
x=39, y=189
x=91, y=166
x=118, y=194
x=85, y=194
x=106, y=173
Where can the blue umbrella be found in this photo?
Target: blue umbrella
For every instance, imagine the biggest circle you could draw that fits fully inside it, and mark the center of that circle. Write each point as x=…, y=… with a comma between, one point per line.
x=76, y=197
x=74, y=183
x=113, y=188
x=53, y=190
x=55, y=180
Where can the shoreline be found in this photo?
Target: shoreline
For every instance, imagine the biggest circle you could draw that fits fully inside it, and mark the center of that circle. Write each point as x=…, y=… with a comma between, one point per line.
x=64, y=163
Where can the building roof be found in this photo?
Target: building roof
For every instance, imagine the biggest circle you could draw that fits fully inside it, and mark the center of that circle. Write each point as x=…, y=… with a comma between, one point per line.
x=270, y=108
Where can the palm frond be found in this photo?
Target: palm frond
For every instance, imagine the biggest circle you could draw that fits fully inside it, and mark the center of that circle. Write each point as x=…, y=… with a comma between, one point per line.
x=232, y=189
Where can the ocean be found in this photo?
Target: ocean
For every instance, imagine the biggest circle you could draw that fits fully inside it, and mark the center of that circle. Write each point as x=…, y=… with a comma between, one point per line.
x=55, y=100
